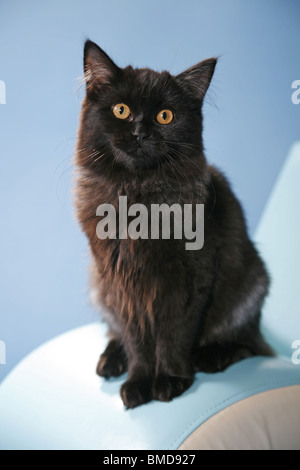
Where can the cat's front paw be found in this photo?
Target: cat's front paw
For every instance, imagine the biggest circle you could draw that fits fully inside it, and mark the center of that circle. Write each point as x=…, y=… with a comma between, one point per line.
x=113, y=362
x=165, y=387
x=136, y=392
x=217, y=358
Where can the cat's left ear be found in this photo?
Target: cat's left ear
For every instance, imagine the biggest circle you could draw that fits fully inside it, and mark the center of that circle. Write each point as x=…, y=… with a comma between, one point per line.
x=198, y=77
x=99, y=69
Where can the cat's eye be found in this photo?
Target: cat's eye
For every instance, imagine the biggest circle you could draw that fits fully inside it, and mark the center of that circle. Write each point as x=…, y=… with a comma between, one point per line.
x=121, y=111
x=165, y=116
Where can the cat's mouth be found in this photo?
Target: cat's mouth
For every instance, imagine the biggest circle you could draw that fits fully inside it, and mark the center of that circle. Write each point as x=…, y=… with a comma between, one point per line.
x=137, y=157
x=144, y=159
x=140, y=152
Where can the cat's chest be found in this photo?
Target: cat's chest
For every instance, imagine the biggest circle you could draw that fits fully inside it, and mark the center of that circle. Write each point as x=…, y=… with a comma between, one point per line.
x=133, y=223
x=129, y=204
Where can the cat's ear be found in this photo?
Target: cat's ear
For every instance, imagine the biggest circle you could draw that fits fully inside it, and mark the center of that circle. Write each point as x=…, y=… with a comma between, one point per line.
x=99, y=69
x=198, y=77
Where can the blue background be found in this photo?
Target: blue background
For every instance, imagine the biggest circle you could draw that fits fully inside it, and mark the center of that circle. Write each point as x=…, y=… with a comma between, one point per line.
x=250, y=124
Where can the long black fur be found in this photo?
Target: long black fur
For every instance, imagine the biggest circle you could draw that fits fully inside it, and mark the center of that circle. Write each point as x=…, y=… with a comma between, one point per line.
x=171, y=312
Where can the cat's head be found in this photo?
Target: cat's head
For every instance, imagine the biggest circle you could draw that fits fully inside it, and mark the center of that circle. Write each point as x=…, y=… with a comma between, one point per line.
x=138, y=118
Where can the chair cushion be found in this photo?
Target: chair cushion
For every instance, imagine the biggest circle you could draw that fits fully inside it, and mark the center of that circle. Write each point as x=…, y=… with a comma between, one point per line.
x=266, y=421
x=54, y=400
x=278, y=240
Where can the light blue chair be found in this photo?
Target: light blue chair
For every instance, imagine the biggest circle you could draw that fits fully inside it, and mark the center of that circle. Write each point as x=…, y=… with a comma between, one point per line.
x=54, y=400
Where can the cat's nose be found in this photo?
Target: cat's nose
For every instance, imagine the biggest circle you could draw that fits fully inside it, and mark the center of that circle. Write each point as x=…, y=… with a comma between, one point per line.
x=140, y=137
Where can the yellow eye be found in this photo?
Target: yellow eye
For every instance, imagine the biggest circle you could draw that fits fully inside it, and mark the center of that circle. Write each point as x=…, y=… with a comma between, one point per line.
x=121, y=111
x=165, y=116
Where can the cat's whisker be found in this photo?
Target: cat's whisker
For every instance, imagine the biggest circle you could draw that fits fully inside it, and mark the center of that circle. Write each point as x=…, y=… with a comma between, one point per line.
x=182, y=144
x=180, y=157
x=98, y=158
x=174, y=168
x=185, y=157
x=85, y=149
x=90, y=156
x=80, y=82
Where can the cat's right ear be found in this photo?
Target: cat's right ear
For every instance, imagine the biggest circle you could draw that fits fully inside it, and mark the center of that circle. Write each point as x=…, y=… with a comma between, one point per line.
x=99, y=69
x=198, y=77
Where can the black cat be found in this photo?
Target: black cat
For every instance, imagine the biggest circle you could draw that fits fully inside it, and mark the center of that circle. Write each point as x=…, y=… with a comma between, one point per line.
x=171, y=311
